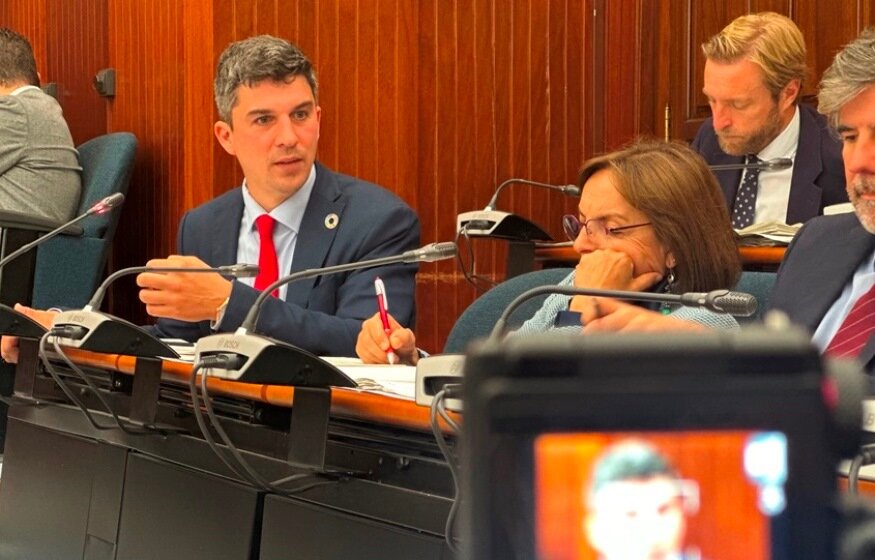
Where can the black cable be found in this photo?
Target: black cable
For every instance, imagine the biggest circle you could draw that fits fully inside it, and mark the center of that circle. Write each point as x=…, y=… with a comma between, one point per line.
x=50, y=369
x=246, y=471
x=208, y=437
x=471, y=276
x=235, y=453
x=436, y=405
x=866, y=456
x=118, y=421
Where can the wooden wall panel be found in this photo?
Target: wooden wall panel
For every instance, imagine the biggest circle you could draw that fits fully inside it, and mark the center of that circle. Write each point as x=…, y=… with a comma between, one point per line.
x=146, y=48
x=501, y=95
x=73, y=59
x=437, y=100
x=28, y=17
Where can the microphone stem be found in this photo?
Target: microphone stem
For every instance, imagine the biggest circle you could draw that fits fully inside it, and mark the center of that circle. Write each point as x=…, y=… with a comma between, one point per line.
x=43, y=238
x=251, y=319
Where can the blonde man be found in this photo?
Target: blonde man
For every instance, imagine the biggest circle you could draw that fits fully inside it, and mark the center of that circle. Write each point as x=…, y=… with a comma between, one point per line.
x=754, y=71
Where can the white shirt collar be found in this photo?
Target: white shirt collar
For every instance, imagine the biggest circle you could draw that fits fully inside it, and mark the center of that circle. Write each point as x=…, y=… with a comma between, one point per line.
x=289, y=213
x=784, y=145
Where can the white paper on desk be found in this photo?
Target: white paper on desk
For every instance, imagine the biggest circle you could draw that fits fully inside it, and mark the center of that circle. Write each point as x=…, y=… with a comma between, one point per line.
x=397, y=380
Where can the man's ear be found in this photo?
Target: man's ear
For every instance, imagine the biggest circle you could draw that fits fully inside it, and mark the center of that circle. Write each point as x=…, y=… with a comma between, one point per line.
x=225, y=136
x=789, y=94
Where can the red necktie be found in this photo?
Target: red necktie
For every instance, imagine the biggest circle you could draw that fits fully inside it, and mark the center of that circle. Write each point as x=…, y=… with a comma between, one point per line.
x=856, y=328
x=268, y=267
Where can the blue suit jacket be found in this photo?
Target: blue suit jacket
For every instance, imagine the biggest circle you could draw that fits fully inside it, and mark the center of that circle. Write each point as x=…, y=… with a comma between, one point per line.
x=819, y=263
x=818, y=172
x=322, y=314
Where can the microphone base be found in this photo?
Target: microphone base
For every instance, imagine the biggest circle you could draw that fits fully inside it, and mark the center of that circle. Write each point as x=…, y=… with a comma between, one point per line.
x=260, y=359
x=435, y=372
x=101, y=332
x=501, y=225
x=13, y=323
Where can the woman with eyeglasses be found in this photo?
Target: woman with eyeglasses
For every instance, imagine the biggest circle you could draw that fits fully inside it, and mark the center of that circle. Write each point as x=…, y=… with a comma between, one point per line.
x=651, y=218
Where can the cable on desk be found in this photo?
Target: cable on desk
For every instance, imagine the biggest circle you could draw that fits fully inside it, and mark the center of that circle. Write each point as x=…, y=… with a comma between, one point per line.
x=438, y=407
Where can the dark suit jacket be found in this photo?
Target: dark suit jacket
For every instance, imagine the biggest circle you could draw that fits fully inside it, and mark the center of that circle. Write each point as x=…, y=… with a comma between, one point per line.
x=818, y=172
x=819, y=263
x=322, y=314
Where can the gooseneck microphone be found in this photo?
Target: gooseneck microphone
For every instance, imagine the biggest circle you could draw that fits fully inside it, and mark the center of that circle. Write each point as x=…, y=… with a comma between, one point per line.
x=490, y=222
x=256, y=358
x=101, y=207
x=776, y=164
x=17, y=324
x=570, y=190
x=428, y=253
x=718, y=301
x=239, y=270
x=92, y=330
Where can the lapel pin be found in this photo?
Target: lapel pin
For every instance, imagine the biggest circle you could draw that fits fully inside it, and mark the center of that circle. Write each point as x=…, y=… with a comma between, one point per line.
x=331, y=220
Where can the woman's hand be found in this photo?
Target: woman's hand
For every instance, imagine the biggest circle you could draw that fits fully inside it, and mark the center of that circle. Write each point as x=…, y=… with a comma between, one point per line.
x=606, y=269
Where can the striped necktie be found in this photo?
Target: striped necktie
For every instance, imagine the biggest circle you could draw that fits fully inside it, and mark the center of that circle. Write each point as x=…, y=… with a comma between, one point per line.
x=856, y=328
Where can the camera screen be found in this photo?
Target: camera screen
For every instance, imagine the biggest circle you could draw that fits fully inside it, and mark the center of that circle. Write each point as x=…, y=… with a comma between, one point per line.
x=658, y=495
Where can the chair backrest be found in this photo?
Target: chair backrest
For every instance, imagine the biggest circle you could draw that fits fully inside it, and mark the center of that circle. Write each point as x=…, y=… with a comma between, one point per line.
x=759, y=285
x=479, y=318
x=68, y=268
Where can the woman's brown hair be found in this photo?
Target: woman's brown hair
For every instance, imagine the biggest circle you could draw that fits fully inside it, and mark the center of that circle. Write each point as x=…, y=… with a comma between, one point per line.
x=673, y=186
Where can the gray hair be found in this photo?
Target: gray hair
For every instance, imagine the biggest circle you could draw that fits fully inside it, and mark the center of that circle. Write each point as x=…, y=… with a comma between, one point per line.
x=852, y=71
x=254, y=60
x=17, y=63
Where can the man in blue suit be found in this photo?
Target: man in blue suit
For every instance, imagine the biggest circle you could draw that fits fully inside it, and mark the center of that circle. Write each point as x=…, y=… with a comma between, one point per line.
x=754, y=71
x=266, y=94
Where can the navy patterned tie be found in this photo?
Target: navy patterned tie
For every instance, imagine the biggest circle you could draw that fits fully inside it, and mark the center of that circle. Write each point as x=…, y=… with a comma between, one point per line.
x=746, y=198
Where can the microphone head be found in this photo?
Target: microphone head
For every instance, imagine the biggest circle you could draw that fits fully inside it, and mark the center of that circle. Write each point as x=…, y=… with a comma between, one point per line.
x=107, y=203
x=739, y=304
x=431, y=252
x=239, y=270
x=777, y=164
x=571, y=190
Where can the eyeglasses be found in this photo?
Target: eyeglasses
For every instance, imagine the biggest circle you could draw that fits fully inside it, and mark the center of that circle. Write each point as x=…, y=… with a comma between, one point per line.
x=595, y=227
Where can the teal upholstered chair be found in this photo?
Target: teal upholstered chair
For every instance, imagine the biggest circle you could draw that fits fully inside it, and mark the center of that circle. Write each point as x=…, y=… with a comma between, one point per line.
x=759, y=285
x=69, y=268
x=479, y=318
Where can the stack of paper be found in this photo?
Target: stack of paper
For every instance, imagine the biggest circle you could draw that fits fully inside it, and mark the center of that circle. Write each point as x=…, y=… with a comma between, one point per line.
x=770, y=233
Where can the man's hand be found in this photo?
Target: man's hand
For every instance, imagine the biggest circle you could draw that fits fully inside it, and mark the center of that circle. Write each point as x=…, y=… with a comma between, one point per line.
x=606, y=269
x=181, y=295
x=373, y=344
x=9, y=344
x=616, y=316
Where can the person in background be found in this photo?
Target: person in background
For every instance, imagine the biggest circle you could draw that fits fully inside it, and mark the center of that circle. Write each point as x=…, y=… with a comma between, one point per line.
x=826, y=282
x=650, y=218
x=39, y=167
x=754, y=73
x=291, y=213
x=636, y=507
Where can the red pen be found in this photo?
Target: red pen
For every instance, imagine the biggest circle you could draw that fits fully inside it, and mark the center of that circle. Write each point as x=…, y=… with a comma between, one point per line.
x=383, y=306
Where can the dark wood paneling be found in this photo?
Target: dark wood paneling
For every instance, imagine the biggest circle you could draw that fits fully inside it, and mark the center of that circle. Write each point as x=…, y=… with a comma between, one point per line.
x=437, y=100
x=146, y=48
x=73, y=59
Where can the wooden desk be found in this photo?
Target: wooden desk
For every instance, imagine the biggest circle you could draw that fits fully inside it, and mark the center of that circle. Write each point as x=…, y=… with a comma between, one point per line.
x=752, y=258
x=72, y=491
